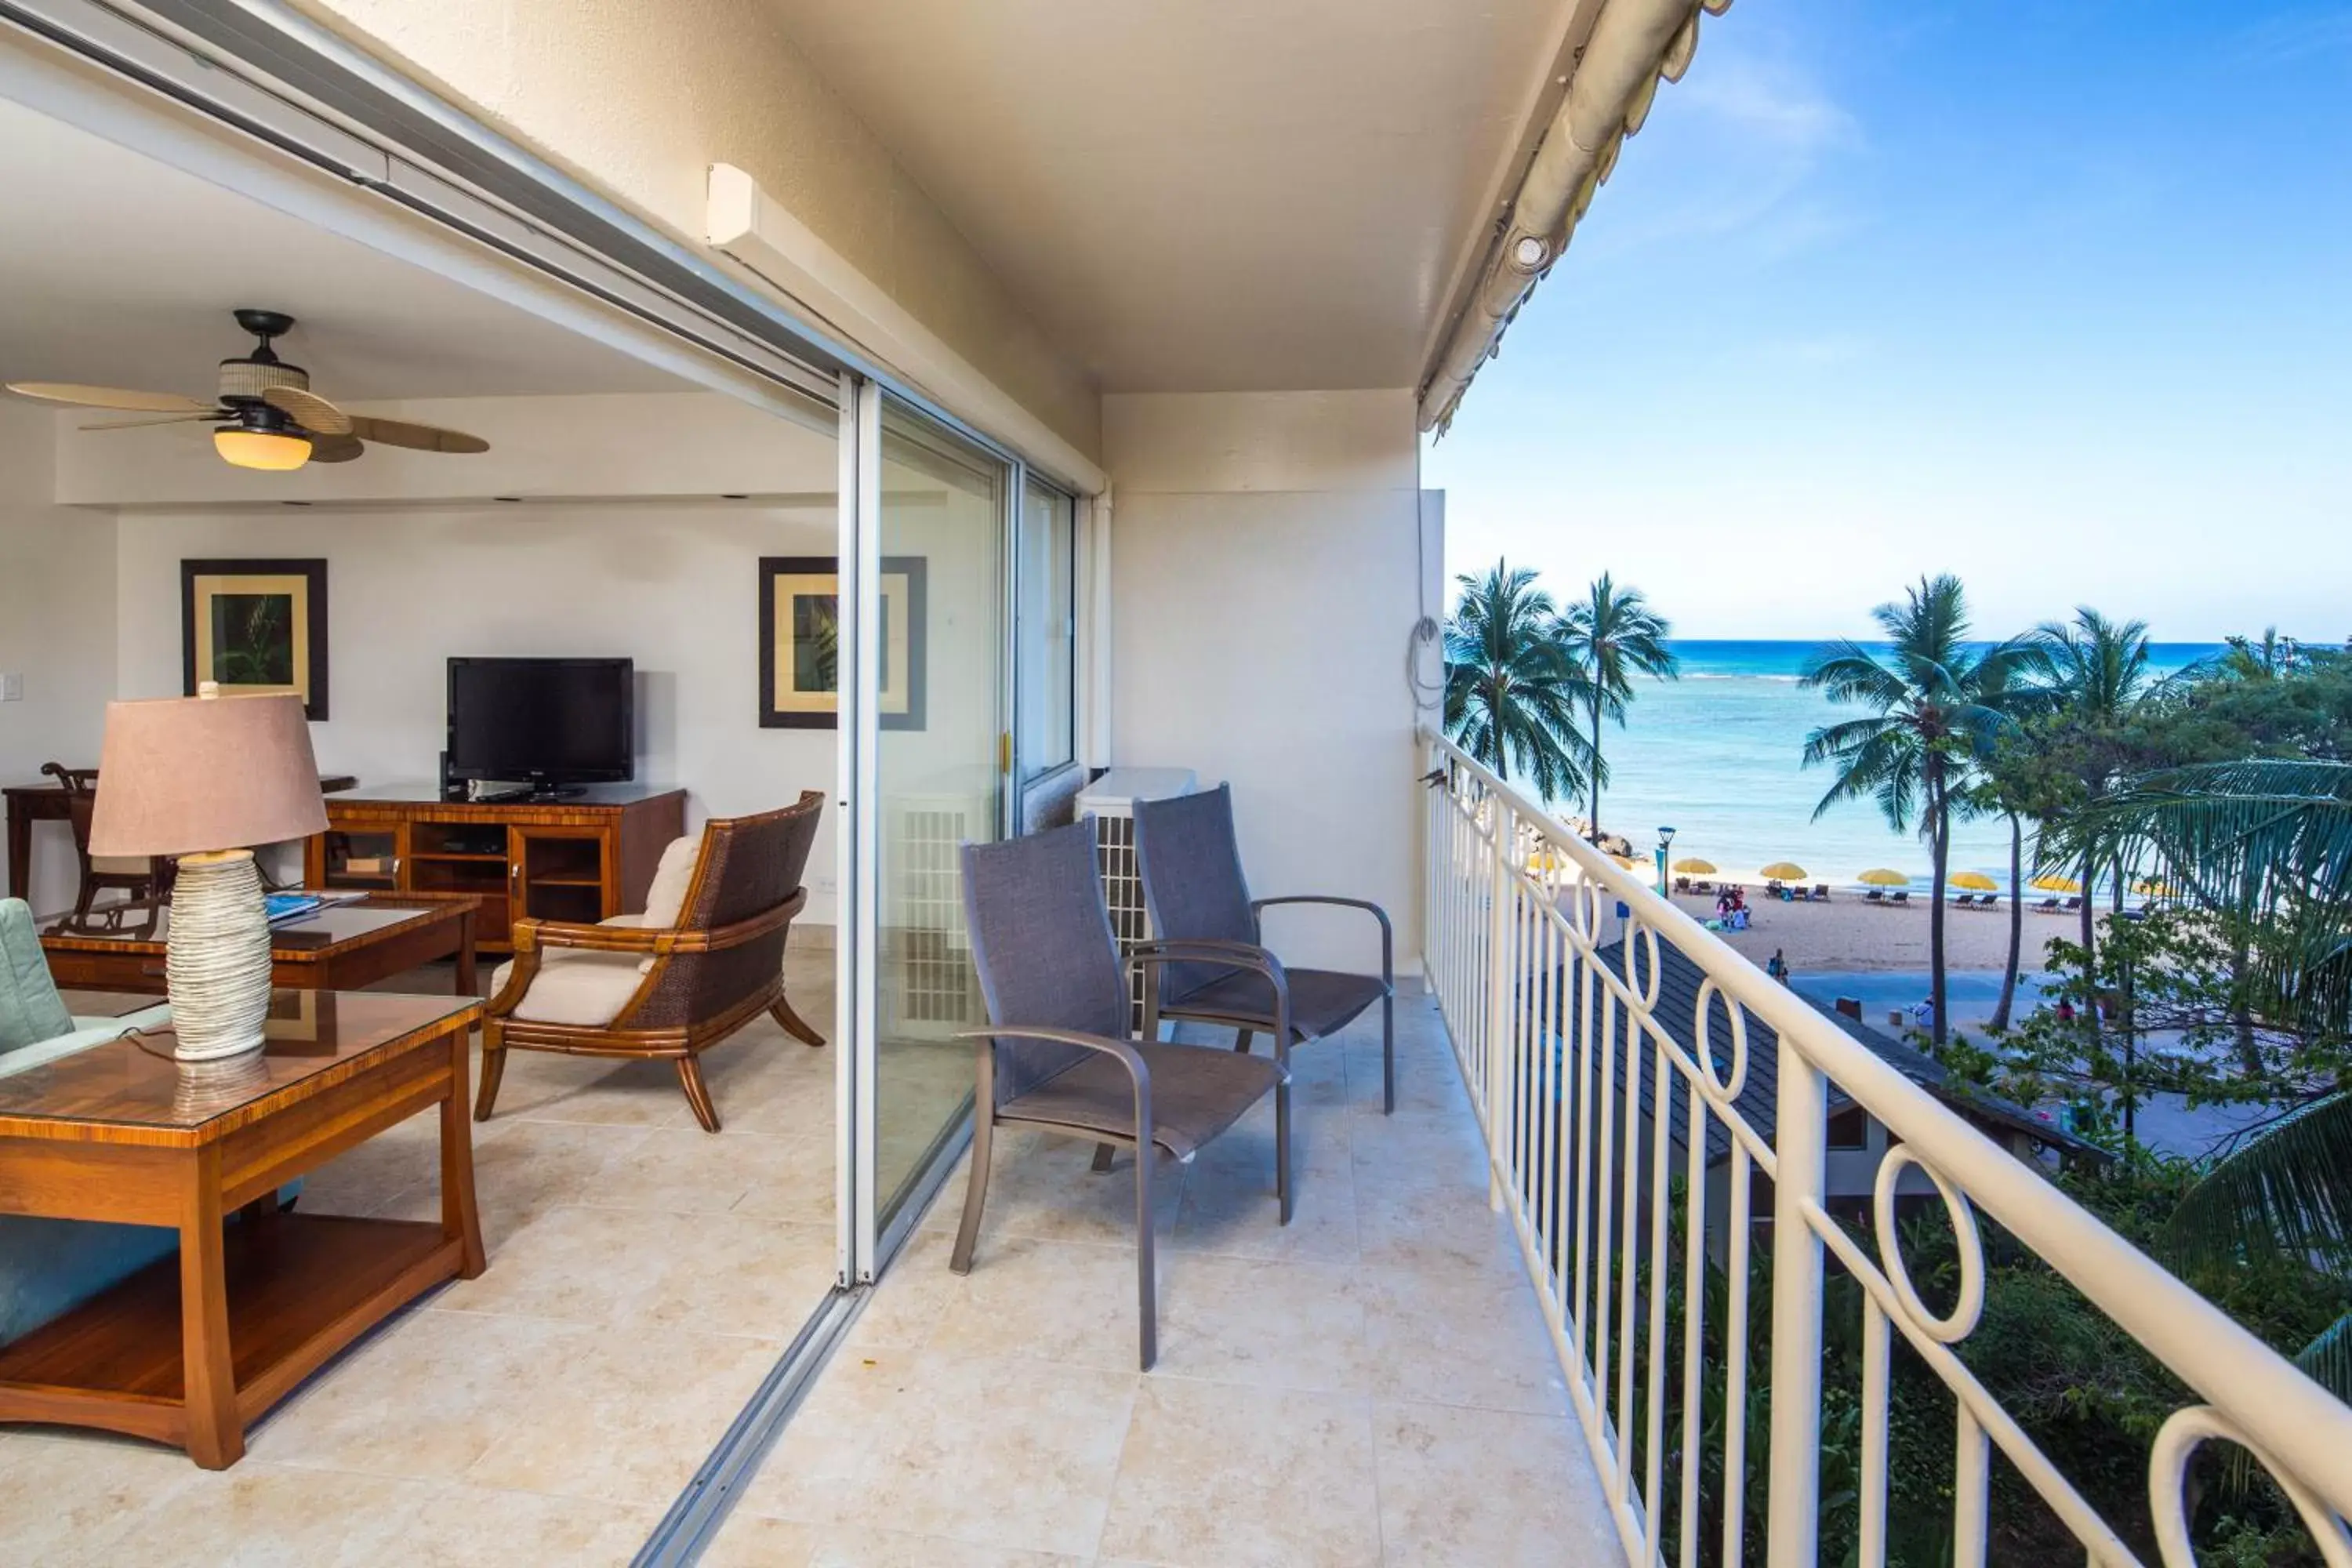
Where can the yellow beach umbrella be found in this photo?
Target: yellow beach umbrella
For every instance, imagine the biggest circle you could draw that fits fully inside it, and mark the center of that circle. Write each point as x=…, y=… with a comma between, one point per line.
x=1882, y=876
x=2155, y=890
x=1693, y=866
x=2051, y=882
x=1627, y=861
x=1976, y=882
x=1784, y=871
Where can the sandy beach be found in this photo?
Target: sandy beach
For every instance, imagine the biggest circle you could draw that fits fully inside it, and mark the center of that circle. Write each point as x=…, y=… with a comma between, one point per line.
x=1847, y=933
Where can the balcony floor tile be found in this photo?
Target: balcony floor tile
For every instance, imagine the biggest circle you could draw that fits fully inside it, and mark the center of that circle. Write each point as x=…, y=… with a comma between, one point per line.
x=1374, y=1383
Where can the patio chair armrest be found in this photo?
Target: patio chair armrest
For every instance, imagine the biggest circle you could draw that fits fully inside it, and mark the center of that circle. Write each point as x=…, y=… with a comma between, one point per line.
x=1234, y=954
x=1139, y=1071
x=1388, y=932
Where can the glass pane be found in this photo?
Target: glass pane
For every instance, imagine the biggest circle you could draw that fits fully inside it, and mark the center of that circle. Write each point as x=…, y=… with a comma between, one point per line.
x=1047, y=650
x=939, y=772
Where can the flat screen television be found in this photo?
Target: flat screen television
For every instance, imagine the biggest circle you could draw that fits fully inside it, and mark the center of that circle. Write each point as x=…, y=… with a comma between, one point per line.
x=555, y=722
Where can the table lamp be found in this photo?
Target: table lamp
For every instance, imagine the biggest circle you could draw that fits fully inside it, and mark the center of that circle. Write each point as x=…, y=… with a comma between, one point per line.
x=204, y=778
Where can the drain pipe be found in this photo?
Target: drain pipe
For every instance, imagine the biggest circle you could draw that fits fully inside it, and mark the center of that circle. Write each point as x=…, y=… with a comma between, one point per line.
x=1635, y=43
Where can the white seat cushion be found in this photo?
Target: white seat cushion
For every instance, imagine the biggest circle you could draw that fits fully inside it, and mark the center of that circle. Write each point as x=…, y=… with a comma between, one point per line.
x=575, y=986
x=673, y=879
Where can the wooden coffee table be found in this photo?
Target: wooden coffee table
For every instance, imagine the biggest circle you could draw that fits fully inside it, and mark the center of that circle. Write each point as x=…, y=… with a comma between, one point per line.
x=192, y=1350
x=343, y=947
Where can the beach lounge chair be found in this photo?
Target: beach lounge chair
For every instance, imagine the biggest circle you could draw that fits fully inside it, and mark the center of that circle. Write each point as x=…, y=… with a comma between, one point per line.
x=2048, y=906
x=1056, y=1054
x=2075, y=904
x=1874, y=896
x=1682, y=885
x=1702, y=887
x=1902, y=896
x=1964, y=901
x=1821, y=892
x=1988, y=901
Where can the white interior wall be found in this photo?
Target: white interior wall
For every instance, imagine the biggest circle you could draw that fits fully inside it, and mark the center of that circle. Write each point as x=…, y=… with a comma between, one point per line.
x=656, y=569
x=1266, y=570
x=674, y=587
x=57, y=631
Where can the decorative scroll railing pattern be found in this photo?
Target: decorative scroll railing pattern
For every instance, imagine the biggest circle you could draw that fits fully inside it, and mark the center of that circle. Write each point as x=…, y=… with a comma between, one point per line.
x=1603, y=1132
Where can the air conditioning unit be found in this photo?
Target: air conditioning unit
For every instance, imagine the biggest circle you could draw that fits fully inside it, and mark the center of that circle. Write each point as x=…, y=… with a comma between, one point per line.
x=1110, y=800
x=930, y=989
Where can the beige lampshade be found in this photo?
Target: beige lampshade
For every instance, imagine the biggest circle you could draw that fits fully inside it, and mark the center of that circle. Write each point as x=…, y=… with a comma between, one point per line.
x=181, y=774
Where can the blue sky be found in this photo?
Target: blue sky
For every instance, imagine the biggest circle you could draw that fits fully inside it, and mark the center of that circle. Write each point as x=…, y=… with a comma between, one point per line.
x=2057, y=295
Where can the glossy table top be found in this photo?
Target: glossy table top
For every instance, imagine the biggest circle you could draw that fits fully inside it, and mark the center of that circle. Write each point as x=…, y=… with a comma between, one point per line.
x=314, y=1039
x=332, y=929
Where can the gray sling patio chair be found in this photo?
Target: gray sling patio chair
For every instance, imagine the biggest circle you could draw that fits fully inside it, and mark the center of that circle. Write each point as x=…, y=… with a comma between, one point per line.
x=1056, y=1054
x=1193, y=888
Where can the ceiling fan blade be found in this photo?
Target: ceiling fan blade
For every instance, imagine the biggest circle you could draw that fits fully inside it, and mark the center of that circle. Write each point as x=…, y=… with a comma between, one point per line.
x=110, y=398
x=309, y=410
x=160, y=419
x=421, y=438
x=335, y=448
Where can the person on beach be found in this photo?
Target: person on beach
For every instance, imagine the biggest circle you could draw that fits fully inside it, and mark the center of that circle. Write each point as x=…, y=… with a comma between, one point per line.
x=1777, y=966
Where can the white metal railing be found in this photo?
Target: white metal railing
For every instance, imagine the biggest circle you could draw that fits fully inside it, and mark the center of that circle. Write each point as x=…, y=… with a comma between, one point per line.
x=1584, y=1096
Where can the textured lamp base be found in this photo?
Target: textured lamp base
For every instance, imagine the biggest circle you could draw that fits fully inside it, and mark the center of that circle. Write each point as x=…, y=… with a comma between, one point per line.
x=216, y=956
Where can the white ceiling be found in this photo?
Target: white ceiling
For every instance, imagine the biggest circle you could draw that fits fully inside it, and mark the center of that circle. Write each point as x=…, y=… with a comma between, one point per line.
x=1198, y=194
x=122, y=271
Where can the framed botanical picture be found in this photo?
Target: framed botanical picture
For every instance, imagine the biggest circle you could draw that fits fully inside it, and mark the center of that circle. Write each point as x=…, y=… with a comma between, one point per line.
x=256, y=626
x=800, y=621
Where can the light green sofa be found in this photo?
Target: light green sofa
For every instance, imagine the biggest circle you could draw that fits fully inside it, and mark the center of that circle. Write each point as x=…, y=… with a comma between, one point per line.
x=49, y=1265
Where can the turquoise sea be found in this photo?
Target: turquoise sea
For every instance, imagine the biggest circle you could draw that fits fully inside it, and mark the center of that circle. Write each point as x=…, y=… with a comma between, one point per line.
x=1718, y=754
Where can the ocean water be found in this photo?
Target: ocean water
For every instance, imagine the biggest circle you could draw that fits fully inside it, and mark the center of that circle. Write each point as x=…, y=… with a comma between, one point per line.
x=1719, y=755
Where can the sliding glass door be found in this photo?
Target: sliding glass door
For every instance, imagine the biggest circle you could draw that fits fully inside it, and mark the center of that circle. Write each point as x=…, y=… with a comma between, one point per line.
x=932, y=595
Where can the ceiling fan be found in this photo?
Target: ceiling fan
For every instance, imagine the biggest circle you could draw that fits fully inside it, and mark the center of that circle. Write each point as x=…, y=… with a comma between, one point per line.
x=266, y=415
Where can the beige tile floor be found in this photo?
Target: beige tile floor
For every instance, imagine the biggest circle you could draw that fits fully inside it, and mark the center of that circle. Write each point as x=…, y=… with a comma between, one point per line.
x=1371, y=1385
x=644, y=1275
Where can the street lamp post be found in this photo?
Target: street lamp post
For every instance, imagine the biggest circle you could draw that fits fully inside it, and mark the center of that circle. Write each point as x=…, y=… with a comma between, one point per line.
x=1666, y=842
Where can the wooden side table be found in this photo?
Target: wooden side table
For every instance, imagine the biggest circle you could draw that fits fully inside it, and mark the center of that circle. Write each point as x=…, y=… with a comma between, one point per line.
x=192, y=1352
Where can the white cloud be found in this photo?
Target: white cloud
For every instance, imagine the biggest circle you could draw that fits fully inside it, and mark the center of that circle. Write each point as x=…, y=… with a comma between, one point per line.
x=2295, y=36
x=1772, y=100
x=1738, y=143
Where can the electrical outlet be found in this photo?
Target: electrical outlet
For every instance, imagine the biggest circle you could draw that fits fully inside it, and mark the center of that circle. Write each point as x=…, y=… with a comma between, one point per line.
x=12, y=689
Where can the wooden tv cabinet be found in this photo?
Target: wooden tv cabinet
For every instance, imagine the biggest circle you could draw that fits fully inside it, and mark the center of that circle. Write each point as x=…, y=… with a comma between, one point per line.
x=582, y=859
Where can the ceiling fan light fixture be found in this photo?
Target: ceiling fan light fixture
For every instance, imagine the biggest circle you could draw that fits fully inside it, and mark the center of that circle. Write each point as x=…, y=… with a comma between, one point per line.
x=272, y=451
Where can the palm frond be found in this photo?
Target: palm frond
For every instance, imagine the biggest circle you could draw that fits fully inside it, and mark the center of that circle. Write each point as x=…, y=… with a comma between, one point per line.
x=2327, y=1359
x=2288, y=1190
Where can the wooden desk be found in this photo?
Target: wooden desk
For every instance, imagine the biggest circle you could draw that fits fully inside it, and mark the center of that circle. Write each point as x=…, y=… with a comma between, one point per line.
x=32, y=802
x=193, y=1350
x=344, y=947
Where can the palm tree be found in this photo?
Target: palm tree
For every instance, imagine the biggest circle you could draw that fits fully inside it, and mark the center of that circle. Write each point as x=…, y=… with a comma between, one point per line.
x=1613, y=635
x=2274, y=837
x=1512, y=692
x=2096, y=668
x=1938, y=704
x=2254, y=659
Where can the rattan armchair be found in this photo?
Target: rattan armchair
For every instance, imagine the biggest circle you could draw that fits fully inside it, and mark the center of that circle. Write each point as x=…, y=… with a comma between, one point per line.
x=625, y=989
